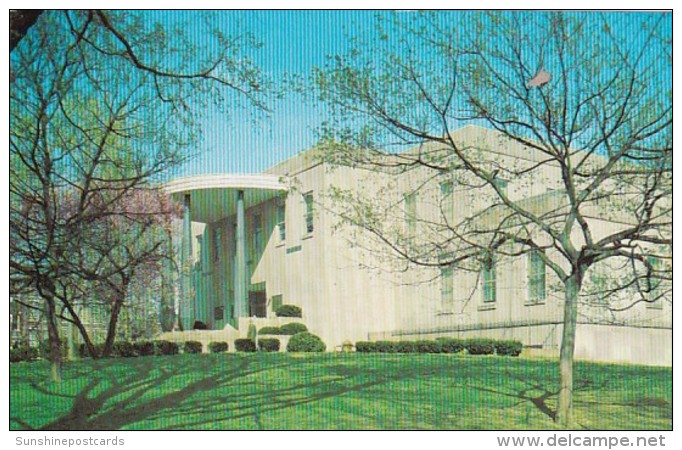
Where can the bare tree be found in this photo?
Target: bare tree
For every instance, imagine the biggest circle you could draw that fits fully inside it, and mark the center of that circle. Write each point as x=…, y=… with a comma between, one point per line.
x=584, y=108
x=99, y=115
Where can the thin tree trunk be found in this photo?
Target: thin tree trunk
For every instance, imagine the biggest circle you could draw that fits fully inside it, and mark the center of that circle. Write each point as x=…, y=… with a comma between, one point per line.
x=82, y=330
x=565, y=410
x=113, y=321
x=55, y=344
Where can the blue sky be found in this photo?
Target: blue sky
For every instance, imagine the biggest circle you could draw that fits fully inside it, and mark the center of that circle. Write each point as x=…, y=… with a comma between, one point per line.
x=293, y=42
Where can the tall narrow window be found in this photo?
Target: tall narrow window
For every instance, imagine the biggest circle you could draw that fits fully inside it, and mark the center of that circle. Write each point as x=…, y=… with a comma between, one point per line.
x=309, y=225
x=281, y=221
x=446, y=289
x=258, y=232
x=489, y=283
x=219, y=313
x=276, y=302
x=410, y=201
x=654, y=283
x=217, y=242
x=446, y=198
x=600, y=286
x=536, y=278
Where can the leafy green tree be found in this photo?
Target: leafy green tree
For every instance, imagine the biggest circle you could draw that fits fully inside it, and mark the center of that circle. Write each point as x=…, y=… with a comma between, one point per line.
x=588, y=106
x=103, y=105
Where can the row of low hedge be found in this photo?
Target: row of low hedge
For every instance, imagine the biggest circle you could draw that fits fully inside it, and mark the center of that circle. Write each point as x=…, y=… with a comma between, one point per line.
x=304, y=343
x=299, y=342
x=264, y=345
x=444, y=345
x=23, y=353
x=288, y=329
x=134, y=349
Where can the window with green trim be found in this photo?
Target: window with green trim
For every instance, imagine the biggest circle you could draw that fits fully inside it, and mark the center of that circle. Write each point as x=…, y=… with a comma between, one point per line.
x=446, y=289
x=410, y=203
x=281, y=221
x=536, y=277
x=309, y=210
x=446, y=198
x=489, y=283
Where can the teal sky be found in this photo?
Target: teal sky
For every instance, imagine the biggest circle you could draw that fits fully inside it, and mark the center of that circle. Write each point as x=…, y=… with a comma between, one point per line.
x=293, y=42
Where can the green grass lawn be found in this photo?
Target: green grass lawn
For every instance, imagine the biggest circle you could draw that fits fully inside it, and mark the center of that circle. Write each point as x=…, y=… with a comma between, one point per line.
x=333, y=391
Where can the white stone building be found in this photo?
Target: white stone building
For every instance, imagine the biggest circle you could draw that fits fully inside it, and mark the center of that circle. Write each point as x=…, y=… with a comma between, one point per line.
x=279, y=238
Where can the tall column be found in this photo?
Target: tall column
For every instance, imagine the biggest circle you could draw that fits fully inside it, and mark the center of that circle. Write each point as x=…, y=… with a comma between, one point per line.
x=187, y=300
x=240, y=276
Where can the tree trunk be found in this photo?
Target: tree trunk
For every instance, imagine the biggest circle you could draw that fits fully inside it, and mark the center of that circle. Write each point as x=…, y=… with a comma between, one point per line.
x=564, y=415
x=55, y=344
x=113, y=321
x=81, y=328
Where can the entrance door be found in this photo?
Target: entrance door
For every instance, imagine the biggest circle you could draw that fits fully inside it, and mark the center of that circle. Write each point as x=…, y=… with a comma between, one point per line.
x=257, y=302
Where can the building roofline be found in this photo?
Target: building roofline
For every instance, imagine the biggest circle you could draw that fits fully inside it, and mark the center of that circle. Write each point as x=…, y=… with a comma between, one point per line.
x=227, y=181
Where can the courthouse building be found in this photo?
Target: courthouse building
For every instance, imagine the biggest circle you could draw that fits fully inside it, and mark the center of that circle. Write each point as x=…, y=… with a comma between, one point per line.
x=254, y=242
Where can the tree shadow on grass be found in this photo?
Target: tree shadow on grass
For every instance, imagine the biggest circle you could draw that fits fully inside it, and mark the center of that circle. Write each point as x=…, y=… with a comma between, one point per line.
x=339, y=380
x=111, y=401
x=533, y=390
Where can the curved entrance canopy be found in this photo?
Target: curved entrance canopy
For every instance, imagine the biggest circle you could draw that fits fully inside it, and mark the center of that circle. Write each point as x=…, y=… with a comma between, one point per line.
x=208, y=199
x=215, y=196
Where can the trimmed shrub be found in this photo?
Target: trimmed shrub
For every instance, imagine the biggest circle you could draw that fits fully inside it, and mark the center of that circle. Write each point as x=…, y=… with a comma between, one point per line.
x=305, y=342
x=269, y=330
x=480, y=346
x=167, y=348
x=289, y=311
x=508, y=348
x=427, y=346
x=193, y=347
x=405, y=347
x=292, y=328
x=123, y=349
x=386, y=346
x=245, y=345
x=199, y=325
x=144, y=348
x=22, y=353
x=365, y=347
x=450, y=345
x=218, y=347
x=268, y=344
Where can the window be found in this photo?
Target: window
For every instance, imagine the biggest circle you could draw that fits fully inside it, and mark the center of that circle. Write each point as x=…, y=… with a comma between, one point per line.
x=230, y=307
x=217, y=242
x=410, y=201
x=219, y=313
x=600, y=286
x=276, y=302
x=446, y=289
x=446, y=198
x=257, y=232
x=489, y=283
x=308, y=199
x=653, y=283
x=536, y=278
x=281, y=221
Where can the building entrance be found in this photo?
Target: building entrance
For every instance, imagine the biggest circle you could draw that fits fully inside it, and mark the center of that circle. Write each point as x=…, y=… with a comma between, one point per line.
x=257, y=304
